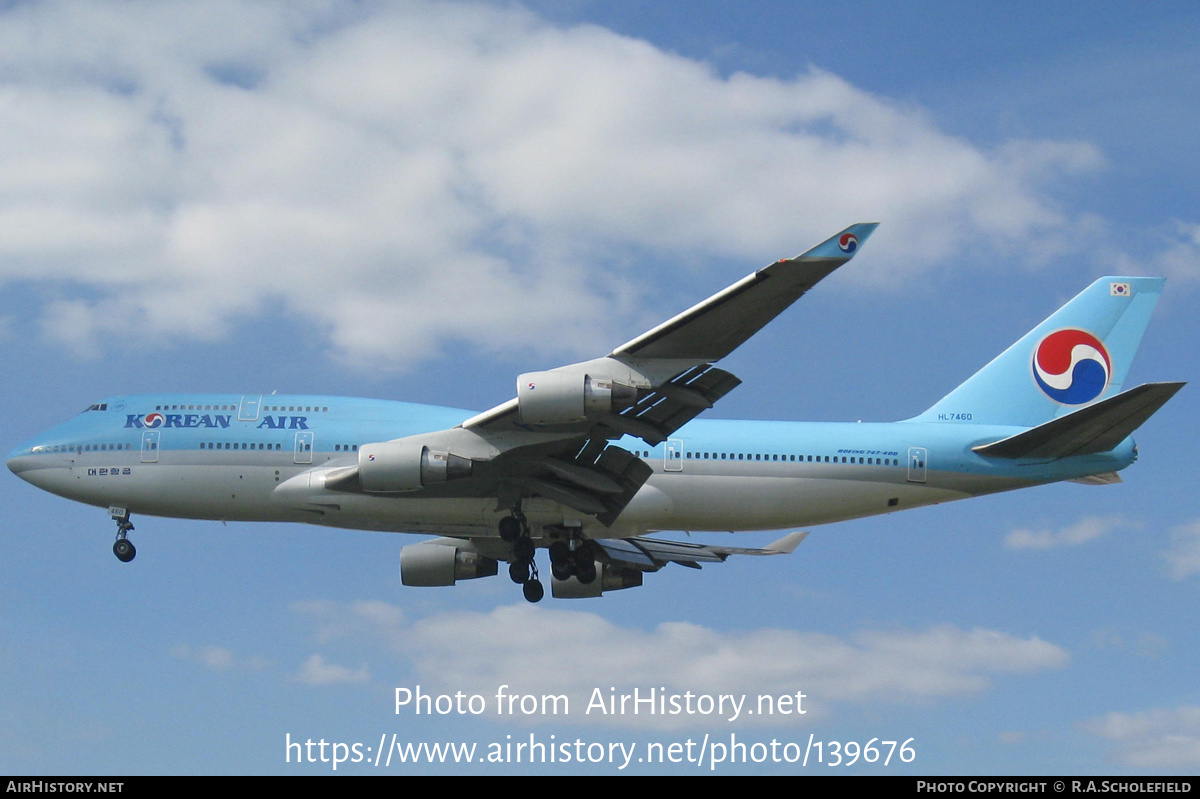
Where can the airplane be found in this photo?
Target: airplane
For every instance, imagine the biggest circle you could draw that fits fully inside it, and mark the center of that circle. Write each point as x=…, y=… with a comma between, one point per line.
x=588, y=459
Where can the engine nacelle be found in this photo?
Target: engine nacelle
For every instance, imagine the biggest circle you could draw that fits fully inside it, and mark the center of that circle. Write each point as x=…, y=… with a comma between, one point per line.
x=608, y=578
x=435, y=564
x=569, y=397
x=392, y=466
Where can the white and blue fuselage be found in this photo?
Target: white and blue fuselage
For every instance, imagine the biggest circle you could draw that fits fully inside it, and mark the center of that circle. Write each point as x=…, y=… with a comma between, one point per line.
x=252, y=458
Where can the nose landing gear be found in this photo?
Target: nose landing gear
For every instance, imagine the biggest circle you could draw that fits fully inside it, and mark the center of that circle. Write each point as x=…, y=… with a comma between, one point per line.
x=123, y=548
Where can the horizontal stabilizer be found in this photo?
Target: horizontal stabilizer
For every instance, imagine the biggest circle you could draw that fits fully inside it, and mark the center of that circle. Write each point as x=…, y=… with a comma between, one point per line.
x=1106, y=479
x=1096, y=428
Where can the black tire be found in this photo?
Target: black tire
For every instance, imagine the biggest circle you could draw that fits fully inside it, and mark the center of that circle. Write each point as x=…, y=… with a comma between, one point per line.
x=560, y=552
x=510, y=529
x=518, y=572
x=523, y=549
x=561, y=571
x=586, y=574
x=533, y=591
x=124, y=550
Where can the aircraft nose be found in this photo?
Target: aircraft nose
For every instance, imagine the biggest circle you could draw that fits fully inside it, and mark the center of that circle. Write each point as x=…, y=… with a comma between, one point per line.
x=32, y=464
x=22, y=462
x=17, y=462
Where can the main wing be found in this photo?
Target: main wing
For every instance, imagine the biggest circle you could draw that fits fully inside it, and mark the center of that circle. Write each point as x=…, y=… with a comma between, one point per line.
x=553, y=439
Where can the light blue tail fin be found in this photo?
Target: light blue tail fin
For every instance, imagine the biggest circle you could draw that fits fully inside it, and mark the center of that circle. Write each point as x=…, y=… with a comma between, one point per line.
x=1079, y=355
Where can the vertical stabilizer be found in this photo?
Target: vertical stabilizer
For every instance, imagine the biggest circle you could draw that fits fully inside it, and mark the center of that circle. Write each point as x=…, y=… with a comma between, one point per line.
x=1080, y=355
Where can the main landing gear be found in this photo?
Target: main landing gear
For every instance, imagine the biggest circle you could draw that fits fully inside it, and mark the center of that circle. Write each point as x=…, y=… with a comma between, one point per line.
x=123, y=548
x=522, y=570
x=573, y=558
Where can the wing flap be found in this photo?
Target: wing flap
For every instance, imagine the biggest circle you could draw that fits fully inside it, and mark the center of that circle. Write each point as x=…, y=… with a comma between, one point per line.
x=661, y=412
x=600, y=480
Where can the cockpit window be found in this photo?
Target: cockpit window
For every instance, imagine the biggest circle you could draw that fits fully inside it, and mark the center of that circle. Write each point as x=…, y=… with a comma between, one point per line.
x=99, y=406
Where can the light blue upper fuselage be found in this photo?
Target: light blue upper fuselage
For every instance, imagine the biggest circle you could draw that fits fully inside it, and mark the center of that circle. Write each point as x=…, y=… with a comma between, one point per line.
x=922, y=462
x=184, y=422
x=339, y=424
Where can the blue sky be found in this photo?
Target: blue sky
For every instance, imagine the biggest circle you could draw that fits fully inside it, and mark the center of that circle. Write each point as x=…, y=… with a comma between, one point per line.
x=420, y=201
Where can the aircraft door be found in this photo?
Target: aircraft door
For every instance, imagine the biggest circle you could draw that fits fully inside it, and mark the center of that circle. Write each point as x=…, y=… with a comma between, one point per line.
x=248, y=408
x=304, y=447
x=150, y=442
x=673, y=455
x=918, y=460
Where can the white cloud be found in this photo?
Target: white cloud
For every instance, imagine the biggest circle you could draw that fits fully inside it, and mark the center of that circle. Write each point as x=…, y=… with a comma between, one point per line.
x=316, y=671
x=1081, y=532
x=217, y=658
x=521, y=647
x=1173, y=251
x=1180, y=258
x=405, y=174
x=334, y=621
x=1183, y=558
x=1165, y=738
x=1143, y=643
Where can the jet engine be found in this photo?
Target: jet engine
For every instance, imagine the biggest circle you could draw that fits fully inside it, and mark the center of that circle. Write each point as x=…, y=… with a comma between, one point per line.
x=392, y=466
x=442, y=564
x=568, y=397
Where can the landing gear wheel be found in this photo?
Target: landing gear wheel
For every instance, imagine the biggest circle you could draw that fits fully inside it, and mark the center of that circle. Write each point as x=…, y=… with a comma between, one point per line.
x=560, y=552
x=518, y=571
x=510, y=529
x=124, y=550
x=586, y=574
x=561, y=571
x=533, y=591
x=523, y=549
x=514, y=529
x=582, y=558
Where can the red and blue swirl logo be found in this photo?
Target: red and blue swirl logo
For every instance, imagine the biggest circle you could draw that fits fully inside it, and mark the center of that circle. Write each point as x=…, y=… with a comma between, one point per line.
x=153, y=420
x=848, y=243
x=1071, y=366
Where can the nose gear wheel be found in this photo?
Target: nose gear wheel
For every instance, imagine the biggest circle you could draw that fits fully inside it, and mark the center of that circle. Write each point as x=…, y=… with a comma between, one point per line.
x=123, y=548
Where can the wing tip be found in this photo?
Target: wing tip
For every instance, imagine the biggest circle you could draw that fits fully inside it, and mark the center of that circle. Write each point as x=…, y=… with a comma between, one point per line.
x=786, y=545
x=843, y=245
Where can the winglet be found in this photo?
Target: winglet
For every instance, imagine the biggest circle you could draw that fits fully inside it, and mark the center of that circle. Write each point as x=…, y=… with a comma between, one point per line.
x=786, y=545
x=842, y=245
